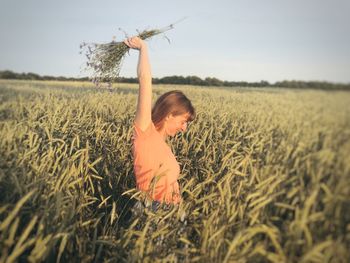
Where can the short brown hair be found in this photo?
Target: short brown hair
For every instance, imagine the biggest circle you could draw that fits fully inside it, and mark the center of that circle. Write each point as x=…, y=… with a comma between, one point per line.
x=173, y=102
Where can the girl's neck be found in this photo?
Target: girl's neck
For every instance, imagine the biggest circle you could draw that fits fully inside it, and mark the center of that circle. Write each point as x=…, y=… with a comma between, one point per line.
x=163, y=134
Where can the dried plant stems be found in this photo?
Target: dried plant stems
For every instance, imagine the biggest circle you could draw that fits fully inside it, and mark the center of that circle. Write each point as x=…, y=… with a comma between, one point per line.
x=105, y=60
x=266, y=181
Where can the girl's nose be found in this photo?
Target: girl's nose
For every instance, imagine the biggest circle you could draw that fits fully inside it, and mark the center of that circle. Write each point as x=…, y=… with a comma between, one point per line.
x=184, y=126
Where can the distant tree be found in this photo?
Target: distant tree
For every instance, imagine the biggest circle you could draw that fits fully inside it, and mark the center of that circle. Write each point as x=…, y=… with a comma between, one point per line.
x=173, y=80
x=194, y=80
x=33, y=76
x=264, y=83
x=213, y=82
x=7, y=74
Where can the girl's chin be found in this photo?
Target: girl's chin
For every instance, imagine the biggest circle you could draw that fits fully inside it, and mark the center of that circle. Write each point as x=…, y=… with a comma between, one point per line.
x=173, y=134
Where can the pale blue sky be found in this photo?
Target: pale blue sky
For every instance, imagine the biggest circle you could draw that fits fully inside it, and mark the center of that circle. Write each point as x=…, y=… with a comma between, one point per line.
x=237, y=40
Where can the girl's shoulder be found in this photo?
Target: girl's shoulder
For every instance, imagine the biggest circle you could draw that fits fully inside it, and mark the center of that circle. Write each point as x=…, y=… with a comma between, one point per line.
x=138, y=132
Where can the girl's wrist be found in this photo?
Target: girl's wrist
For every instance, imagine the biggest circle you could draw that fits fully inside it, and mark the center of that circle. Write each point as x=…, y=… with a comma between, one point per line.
x=143, y=46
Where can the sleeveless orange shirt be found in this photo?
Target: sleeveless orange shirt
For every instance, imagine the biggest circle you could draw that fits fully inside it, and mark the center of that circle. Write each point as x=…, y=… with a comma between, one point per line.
x=155, y=166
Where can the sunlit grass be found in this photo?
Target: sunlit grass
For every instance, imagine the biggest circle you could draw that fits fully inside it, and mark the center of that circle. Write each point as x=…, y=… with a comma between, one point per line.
x=265, y=176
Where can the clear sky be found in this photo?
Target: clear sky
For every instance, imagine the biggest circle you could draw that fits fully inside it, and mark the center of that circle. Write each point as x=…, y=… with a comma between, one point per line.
x=235, y=40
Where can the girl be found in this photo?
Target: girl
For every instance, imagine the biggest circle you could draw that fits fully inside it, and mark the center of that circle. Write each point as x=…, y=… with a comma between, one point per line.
x=155, y=166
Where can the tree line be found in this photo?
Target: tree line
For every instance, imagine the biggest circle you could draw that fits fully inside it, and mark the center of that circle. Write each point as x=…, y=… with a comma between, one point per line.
x=192, y=80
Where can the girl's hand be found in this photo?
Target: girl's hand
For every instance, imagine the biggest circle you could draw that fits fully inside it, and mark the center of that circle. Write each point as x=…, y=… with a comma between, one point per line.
x=135, y=43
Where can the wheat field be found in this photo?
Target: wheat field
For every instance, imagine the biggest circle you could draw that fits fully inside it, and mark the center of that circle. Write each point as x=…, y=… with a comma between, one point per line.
x=265, y=176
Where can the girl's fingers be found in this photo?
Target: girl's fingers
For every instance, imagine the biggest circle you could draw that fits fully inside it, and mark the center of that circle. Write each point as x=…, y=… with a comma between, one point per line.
x=132, y=42
x=126, y=42
x=129, y=40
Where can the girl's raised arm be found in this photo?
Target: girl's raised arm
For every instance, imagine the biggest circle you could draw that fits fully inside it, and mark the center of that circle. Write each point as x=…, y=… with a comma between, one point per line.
x=144, y=104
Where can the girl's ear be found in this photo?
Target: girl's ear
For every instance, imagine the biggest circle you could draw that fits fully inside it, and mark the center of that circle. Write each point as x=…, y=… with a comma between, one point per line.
x=169, y=116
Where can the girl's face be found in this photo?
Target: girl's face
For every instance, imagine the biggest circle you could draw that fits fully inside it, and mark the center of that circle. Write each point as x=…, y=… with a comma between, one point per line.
x=175, y=124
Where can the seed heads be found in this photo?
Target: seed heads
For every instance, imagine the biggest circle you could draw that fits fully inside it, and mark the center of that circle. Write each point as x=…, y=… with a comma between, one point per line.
x=105, y=60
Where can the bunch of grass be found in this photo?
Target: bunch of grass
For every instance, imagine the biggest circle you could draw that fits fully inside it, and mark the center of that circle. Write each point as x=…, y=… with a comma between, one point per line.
x=105, y=60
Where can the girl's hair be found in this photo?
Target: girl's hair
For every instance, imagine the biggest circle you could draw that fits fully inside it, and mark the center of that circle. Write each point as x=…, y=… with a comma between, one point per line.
x=173, y=102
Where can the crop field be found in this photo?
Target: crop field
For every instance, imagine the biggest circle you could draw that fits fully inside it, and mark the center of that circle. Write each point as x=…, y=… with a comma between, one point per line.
x=265, y=176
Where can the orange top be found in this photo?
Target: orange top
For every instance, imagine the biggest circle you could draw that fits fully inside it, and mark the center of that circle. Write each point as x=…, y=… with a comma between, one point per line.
x=155, y=166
